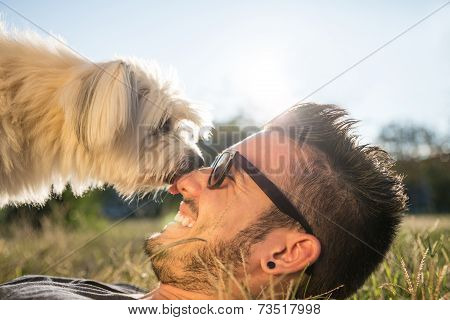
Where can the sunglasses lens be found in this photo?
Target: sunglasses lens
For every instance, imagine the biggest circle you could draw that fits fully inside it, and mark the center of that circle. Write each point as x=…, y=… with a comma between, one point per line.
x=219, y=169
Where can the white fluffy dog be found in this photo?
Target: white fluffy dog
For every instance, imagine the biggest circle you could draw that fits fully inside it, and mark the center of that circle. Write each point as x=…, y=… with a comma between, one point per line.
x=64, y=119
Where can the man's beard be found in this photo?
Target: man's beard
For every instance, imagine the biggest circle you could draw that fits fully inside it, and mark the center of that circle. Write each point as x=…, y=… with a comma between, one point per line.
x=204, y=269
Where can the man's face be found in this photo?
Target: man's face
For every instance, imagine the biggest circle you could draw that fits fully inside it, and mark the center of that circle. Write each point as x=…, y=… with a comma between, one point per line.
x=217, y=216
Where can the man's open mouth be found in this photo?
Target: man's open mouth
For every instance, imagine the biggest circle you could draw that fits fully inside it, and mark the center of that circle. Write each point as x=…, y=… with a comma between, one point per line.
x=184, y=216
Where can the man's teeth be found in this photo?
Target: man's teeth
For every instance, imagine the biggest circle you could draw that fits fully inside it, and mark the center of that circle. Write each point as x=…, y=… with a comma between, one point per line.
x=178, y=218
x=185, y=221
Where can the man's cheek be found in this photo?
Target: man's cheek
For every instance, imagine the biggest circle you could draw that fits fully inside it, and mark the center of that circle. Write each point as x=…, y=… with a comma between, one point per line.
x=209, y=228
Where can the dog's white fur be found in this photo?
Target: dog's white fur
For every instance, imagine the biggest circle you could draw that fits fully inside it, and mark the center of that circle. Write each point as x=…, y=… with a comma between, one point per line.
x=65, y=120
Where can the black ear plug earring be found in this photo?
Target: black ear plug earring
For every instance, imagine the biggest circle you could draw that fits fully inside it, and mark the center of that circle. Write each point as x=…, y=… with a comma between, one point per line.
x=271, y=265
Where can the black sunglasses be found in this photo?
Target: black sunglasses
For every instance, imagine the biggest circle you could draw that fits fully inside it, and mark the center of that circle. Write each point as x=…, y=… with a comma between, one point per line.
x=221, y=166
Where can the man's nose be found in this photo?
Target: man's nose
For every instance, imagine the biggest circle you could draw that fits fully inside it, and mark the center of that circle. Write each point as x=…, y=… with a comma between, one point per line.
x=191, y=184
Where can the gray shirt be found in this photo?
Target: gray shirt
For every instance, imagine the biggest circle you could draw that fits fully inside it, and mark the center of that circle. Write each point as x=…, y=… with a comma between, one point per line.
x=33, y=287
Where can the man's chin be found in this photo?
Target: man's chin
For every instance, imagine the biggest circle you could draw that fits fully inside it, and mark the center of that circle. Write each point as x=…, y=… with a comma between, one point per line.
x=151, y=244
x=171, y=233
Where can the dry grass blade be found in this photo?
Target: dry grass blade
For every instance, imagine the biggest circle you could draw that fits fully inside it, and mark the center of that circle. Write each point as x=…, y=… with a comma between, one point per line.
x=244, y=268
x=439, y=282
x=325, y=295
x=419, y=274
x=407, y=277
x=390, y=287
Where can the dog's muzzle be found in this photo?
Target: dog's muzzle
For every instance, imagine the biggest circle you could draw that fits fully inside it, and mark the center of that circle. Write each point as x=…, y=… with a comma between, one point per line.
x=190, y=163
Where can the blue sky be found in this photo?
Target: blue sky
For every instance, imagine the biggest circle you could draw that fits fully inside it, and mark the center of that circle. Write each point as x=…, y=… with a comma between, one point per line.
x=264, y=56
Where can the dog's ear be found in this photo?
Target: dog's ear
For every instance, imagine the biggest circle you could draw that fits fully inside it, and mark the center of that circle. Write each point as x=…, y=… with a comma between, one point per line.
x=100, y=101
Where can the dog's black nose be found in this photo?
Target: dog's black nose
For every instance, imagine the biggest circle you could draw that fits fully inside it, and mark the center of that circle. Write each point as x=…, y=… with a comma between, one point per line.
x=190, y=163
x=195, y=161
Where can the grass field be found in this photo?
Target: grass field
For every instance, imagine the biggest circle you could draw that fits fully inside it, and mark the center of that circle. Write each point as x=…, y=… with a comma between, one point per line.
x=416, y=267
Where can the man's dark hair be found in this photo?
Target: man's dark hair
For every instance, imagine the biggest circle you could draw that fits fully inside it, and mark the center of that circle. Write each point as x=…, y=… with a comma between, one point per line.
x=348, y=193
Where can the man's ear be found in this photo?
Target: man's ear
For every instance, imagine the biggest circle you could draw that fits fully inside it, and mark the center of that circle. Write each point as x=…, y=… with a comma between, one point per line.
x=100, y=101
x=290, y=250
